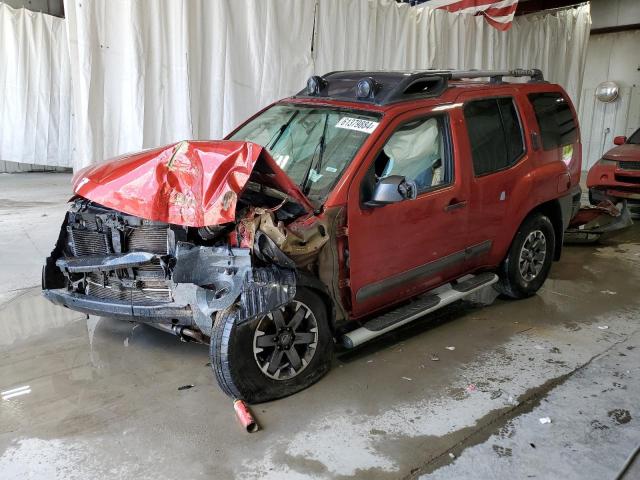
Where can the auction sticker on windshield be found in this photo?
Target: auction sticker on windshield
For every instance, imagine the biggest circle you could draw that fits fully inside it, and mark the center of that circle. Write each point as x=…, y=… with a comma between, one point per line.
x=358, y=124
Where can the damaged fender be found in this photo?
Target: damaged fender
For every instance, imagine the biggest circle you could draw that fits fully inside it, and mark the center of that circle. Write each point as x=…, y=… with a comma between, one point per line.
x=224, y=275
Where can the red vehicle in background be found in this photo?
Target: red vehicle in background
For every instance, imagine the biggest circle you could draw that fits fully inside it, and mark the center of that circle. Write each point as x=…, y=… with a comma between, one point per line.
x=616, y=176
x=356, y=206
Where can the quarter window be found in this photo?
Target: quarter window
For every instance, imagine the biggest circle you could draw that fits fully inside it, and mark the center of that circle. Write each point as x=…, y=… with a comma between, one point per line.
x=557, y=125
x=495, y=134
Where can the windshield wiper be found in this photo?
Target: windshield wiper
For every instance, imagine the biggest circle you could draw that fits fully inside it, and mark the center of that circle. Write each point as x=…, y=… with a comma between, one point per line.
x=319, y=147
x=283, y=128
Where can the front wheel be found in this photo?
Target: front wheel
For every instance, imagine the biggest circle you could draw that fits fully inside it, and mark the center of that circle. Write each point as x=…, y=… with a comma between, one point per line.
x=528, y=262
x=275, y=355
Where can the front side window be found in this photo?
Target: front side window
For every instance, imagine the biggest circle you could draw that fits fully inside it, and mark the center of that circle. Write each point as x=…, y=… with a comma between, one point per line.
x=495, y=134
x=417, y=151
x=557, y=125
x=312, y=145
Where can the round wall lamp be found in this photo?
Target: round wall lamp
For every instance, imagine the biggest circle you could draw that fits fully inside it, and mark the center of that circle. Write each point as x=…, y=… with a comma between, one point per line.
x=607, y=92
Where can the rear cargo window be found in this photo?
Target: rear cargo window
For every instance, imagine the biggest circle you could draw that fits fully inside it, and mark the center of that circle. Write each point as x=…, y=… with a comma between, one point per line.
x=557, y=125
x=494, y=133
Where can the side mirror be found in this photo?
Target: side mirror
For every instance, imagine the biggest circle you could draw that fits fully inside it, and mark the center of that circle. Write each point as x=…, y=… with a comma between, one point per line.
x=392, y=189
x=619, y=140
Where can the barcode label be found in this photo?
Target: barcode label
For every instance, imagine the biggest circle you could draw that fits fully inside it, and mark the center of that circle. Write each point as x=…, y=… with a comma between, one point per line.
x=358, y=124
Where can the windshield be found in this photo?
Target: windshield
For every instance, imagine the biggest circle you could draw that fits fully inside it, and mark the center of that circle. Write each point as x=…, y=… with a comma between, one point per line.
x=635, y=138
x=313, y=145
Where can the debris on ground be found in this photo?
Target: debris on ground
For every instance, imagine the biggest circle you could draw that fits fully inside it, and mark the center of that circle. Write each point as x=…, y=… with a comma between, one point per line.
x=186, y=387
x=496, y=394
x=451, y=455
x=544, y=420
x=590, y=223
x=608, y=292
x=620, y=416
x=471, y=388
x=434, y=358
x=450, y=348
x=603, y=327
x=407, y=379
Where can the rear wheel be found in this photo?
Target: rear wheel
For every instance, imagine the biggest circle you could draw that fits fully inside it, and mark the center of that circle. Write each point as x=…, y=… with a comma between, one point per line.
x=275, y=355
x=528, y=262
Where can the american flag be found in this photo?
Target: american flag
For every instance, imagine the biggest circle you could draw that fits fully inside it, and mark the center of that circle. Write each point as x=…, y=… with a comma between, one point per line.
x=498, y=14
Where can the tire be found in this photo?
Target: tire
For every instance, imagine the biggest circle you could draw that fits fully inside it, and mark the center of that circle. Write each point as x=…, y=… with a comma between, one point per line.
x=514, y=283
x=235, y=357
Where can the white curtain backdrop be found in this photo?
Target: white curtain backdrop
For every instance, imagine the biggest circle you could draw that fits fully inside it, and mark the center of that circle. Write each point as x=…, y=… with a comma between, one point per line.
x=147, y=73
x=35, y=88
x=150, y=72
x=383, y=34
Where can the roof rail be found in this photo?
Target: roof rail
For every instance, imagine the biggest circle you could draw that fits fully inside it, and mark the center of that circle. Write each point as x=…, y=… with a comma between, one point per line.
x=384, y=87
x=496, y=75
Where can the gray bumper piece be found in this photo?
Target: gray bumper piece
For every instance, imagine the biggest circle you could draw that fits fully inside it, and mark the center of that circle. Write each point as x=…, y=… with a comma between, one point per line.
x=104, y=263
x=204, y=281
x=161, y=313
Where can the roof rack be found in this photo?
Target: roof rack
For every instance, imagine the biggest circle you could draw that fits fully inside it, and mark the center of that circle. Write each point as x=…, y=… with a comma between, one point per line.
x=384, y=87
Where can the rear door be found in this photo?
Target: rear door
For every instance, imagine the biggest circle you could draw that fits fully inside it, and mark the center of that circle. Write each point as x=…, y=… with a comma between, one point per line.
x=498, y=156
x=402, y=249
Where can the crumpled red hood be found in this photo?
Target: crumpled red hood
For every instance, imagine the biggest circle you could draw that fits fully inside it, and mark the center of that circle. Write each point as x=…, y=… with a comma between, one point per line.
x=190, y=183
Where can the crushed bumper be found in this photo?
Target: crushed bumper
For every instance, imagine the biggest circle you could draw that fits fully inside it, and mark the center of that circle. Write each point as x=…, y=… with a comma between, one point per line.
x=164, y=313
x=201, y=281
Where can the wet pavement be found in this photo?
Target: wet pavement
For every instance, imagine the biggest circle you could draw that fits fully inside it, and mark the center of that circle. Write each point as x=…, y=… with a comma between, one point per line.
x=97, y=398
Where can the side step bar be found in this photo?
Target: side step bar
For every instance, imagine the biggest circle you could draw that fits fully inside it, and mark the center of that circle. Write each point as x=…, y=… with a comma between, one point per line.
x=424, y=304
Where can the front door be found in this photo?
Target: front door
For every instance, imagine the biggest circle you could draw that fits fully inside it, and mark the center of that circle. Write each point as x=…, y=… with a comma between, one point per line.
x=399, y=250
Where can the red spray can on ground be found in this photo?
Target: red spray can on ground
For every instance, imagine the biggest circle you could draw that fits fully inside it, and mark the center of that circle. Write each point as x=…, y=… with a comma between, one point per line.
x=244, y=416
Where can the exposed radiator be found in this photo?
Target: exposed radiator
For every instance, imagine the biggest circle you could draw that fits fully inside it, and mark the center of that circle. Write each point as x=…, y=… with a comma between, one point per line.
x=147, y=238
x=146, y=292
x=143, y=285
x=87, y=242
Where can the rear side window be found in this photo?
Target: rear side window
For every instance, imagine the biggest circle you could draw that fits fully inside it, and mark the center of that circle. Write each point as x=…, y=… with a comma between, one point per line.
x=495, y=134
x=557, y=125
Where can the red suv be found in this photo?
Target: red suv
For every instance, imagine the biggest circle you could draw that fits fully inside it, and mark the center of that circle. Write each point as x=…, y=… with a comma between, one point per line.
x=354, y=207
x=616, y=176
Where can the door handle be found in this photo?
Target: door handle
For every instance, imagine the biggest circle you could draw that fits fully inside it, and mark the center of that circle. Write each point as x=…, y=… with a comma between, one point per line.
x=455, y=205
x=535, y=140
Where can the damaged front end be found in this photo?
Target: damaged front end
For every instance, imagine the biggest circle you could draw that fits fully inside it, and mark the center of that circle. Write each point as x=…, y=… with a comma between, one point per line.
x=591, y=223
x=151, y=269
x=113, y=264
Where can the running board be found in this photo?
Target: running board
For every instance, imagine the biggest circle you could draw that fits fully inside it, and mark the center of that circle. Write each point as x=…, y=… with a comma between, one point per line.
x=419, y=307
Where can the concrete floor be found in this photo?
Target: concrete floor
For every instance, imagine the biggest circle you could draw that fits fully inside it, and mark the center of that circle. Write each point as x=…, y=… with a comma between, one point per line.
x=104, y=398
